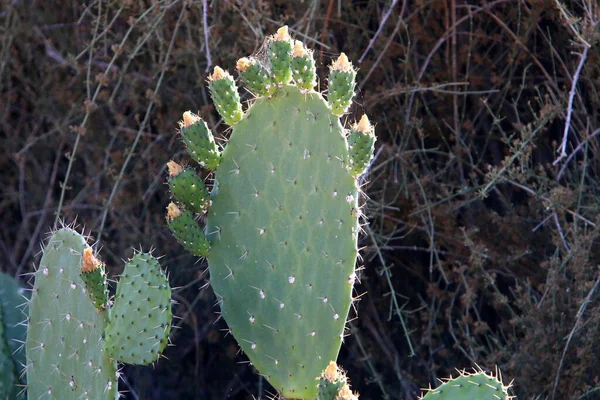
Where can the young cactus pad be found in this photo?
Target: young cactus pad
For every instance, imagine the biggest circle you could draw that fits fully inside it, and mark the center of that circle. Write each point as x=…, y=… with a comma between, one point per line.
x=475, y=386
x=283, y=224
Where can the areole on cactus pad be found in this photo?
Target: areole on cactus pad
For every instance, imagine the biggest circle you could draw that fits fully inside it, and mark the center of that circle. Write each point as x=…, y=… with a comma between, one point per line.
x=283, y=219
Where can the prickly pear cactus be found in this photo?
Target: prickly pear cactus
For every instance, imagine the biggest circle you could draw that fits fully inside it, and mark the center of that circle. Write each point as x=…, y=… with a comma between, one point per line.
x=281, y=232
x=474, y=386
x=70, y=316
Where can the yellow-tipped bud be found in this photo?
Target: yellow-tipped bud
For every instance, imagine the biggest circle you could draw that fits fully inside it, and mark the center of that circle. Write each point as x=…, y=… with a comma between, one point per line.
x=189, y=119
x=331, y=372
x=342, y=64
x=89, y=262
x=299, y=49
x=218, y=73
x=173, y=211
x=282, y=34
x=174, y=168
x=244, y=63
x=364, y=126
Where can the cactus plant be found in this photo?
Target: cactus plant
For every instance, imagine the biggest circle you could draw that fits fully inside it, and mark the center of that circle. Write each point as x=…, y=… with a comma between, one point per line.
x=281, y=232
x=13, y=331
x=73, y=330
x=476, y=386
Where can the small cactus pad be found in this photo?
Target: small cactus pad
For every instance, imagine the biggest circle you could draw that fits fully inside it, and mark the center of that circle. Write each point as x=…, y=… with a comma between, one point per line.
x=187, y=231
x=188, y=188
x=340, y=90
x=283, y=224
x=224, y=93
x=94, y=276
x=361, y=142
x=255, y=76
x=475, y=386
x=199, y=141
x=140, y=320
x=65, y=351
x=303, y=67
x=280, y=53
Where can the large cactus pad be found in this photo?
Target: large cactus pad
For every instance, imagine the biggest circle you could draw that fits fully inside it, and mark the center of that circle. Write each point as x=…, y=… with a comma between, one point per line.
x=283, y=237
x=65, y=347
x=283, y=224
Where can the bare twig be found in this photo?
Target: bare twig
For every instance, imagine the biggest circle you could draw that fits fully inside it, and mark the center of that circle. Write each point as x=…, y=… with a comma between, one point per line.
x=206, y=34
x=563, y=145
x=383, y=21
x=580, y=313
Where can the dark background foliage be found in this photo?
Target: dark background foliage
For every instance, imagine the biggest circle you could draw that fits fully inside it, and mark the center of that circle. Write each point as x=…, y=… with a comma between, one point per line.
x=480, y=249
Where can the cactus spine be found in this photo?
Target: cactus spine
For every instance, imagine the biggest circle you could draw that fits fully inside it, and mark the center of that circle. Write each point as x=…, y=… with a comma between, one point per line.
x=281, y=232
x=70, y=317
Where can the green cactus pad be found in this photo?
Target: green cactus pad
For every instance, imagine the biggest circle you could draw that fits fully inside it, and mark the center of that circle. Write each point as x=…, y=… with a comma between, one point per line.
x=14, y=300
x=189, y=188
x=140, y=319
x=187, y=231
x=303, y=67
x=65, y=350
x=9, y=378
x=283, y=252
x=199, y=141
x=255, y=76
x=340, y=89
x=225, y=95
x=361, y=142
x=280, y=55
x=476, y=386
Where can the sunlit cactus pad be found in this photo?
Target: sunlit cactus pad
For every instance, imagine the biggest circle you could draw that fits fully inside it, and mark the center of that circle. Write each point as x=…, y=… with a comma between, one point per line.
x=284, y=219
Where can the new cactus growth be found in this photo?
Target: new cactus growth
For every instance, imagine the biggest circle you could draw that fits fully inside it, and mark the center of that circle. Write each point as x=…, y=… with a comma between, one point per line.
x=281, y=232
x=475, y=386
x=71, y=351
